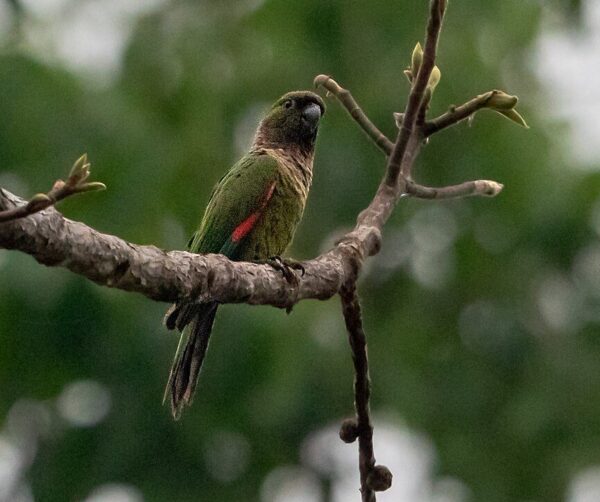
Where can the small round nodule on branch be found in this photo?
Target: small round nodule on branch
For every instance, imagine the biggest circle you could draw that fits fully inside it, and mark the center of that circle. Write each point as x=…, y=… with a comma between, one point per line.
x=380, y=478
x=349, y=430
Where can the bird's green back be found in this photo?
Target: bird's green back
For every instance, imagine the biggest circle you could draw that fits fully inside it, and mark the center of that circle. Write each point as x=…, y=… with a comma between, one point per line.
x=237, y=195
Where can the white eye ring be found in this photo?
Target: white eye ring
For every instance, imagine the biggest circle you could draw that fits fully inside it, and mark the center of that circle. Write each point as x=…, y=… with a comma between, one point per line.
x=288, y=103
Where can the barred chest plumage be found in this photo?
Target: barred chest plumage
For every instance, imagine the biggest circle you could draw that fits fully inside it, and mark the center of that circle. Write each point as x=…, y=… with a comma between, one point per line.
x=277, y=225
x=295, y=168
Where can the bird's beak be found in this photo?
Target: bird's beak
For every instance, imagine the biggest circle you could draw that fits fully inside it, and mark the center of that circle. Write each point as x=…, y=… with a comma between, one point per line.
x=312, y=114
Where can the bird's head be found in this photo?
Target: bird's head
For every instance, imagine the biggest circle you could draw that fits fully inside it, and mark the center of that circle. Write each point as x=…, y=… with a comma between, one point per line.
x=293, y=120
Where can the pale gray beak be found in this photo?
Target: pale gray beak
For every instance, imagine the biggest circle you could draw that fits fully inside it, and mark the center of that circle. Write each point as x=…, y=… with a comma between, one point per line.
x=312, y=113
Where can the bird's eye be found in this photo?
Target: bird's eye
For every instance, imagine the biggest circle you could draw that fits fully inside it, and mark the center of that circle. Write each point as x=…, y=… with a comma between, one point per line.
x=288, y=103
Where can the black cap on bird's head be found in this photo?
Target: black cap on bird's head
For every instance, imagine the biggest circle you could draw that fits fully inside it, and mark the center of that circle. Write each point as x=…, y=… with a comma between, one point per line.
x=292, y=120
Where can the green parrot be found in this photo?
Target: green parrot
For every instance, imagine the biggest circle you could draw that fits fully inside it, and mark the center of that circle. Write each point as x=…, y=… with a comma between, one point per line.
x=252, y=215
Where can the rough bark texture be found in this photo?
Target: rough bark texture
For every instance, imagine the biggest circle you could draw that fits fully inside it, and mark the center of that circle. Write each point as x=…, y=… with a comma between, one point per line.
x=107, y=260
x=362, y=388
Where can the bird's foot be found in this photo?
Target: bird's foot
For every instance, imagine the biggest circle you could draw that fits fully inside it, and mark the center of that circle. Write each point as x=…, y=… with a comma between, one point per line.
x=287, y=268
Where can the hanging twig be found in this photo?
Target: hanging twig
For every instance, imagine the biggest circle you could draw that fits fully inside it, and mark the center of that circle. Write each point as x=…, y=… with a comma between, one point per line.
x=372, y=477
x=417, y=94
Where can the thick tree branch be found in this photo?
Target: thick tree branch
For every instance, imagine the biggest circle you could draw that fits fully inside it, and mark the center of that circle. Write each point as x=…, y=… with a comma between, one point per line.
x=107, y=260
x=164, y=276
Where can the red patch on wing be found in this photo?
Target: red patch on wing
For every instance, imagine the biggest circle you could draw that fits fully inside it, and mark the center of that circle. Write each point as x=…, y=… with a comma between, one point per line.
x=247, y=225
x=244, y=227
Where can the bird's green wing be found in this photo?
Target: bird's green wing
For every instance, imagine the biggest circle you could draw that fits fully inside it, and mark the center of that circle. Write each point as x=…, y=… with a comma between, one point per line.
x=235, y=206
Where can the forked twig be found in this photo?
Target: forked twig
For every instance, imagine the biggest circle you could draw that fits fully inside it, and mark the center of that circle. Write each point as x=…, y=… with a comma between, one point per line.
x=470, y=188
x=76, y=183
x=417, y=94
x=401, y=158
x=413, y=131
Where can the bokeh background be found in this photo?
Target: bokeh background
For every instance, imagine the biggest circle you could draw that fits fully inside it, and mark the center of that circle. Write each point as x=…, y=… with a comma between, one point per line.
x=483, y=315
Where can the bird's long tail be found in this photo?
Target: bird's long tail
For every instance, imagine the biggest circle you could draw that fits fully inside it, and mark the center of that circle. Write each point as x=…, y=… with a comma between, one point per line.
x=198, y=321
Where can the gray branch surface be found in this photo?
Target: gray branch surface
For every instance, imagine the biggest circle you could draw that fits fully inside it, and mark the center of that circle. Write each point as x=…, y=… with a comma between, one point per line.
x=165, y=276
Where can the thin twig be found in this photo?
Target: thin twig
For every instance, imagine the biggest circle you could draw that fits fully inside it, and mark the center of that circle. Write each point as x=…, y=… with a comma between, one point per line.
x=347, y=100
x=37, y=203
x=362, y=388
x=417, y=93
x=455, y=115
x=76, y=183
x=484, y=188
x=495, y=100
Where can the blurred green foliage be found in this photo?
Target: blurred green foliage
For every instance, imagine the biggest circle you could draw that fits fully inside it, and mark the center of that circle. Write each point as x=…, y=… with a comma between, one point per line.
x=481, y=313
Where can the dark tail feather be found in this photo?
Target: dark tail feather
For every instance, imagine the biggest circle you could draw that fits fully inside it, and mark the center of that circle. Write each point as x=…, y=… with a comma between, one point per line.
x=189, y=357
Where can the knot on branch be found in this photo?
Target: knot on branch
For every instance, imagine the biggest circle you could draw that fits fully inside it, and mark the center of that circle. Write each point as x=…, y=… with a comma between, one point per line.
x=379, y=478
x=349, y=430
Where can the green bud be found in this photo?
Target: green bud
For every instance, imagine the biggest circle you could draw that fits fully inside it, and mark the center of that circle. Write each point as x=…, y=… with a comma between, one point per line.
x=38, y=201
x=416, y=59
x=499, y=100
x=434, y=79
x=80, y=170
x=94, y=186
x=39, y=197
x=515, y=116
x=427, y=96
x=409, y=75
x=398, y=118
